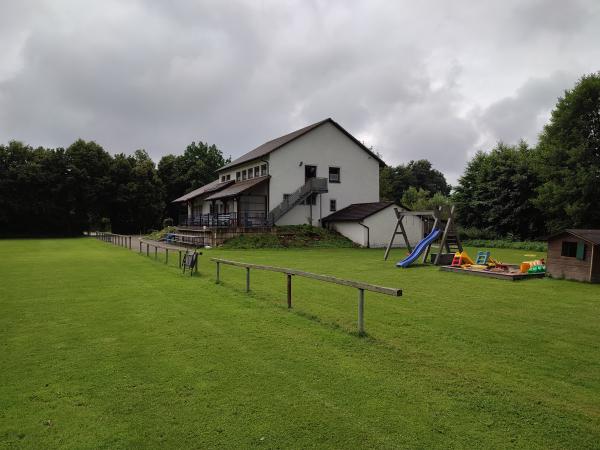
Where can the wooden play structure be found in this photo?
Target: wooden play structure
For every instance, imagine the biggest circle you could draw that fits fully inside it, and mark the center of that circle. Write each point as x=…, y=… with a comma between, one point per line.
x=443, y=217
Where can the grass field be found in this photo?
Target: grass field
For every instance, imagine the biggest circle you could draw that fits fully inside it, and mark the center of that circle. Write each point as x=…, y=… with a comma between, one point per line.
x=102, y=347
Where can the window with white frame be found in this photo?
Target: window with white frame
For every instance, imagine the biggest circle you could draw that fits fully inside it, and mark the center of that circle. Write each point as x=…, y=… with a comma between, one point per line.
x=250, y=173
x=238, y=176
x=263, y=170
x=244, y=175
x=256, y=172
x=334, y=175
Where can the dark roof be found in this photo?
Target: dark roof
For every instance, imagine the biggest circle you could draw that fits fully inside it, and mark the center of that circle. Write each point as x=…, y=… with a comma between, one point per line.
x=279, y=142
x=591, y=236
x=207, y=188
x=356, y=211
x=237, y=188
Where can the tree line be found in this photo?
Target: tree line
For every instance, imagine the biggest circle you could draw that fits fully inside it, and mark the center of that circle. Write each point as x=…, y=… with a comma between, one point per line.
x=519, y=191
x=514, y=191
x=58, y=191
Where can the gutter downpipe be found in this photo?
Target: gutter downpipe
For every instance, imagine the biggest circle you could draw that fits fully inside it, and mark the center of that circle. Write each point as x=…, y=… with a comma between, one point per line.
x=368, y=234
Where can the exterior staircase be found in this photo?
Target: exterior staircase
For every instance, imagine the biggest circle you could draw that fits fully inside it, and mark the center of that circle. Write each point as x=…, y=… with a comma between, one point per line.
x=312, y=186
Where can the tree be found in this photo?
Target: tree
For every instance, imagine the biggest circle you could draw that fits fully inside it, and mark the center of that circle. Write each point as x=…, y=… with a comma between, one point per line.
x=421, y=200
x=496, y=192
x=395, y=181
x=137, y=200
x=87, y=184
x=569, y=159
x=181, y=174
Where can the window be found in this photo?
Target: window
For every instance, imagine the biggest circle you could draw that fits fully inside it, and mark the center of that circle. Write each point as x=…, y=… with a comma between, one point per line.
x=238, y=176
x=332, y=205
x=256, y=172
x=263, y=170
x=222, y=178
x=286, y=197
x=334, y=174
x=243, y=174
x=250, y=173
x=228, y=177
x=310, y=172
x=569, y=249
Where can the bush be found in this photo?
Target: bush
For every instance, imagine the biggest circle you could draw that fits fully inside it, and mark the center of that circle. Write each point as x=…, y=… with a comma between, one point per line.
x=158, y=235
x=504, y=243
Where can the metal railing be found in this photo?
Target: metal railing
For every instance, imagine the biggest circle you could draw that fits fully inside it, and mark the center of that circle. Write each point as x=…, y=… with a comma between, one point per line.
x=249, y=219
x=312, y=186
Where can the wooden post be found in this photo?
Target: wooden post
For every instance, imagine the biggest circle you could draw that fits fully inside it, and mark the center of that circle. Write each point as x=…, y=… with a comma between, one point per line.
x=247, y=279
x=147, y=249
x=180, y=259
x=361, y=312
x=155, y=252
x=289, y=291
x=129, y=242
x=166, y=256
x=218, y=272
x=140, y=247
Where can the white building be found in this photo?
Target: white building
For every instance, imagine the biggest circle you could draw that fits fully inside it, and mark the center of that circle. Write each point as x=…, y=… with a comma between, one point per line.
x=372, y=224
x=299, y=178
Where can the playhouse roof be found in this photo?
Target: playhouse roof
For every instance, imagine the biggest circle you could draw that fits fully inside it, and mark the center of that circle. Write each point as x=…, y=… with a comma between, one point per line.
x=591, y=236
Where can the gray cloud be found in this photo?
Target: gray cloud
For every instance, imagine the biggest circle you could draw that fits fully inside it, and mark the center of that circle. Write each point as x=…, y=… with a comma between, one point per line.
x=429, y=80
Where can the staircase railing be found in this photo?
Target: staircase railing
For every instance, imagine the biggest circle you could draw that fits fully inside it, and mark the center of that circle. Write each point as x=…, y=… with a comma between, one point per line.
x=312, y=186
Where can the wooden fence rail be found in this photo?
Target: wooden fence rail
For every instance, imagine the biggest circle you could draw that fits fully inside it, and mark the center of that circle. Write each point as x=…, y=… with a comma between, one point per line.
x=166, y=248
x=360, y=286
x=121, y=240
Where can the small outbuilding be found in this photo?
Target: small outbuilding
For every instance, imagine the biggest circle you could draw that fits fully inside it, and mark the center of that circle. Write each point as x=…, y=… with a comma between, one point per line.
x=574, y=255
x=372, y=224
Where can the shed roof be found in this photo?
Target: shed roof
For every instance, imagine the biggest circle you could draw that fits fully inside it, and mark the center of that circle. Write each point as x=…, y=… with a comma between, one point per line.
x=207, y=188
x=237, y=188
x=357, y=211
x=591, y=236
x=279, y=142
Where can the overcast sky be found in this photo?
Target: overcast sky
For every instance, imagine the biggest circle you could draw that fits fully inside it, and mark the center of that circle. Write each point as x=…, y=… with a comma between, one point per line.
x=414, y=79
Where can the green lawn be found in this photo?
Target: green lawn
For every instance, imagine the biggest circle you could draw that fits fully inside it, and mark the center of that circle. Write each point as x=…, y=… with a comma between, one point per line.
x=102, y=347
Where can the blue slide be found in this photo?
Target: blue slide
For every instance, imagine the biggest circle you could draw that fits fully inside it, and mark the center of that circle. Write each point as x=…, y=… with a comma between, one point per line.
x=420, y=248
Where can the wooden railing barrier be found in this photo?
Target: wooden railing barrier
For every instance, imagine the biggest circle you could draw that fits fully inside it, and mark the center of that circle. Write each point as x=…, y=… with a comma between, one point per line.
x=360, y=286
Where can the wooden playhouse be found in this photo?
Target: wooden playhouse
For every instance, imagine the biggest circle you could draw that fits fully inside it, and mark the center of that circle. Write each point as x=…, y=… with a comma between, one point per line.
x=575, y=255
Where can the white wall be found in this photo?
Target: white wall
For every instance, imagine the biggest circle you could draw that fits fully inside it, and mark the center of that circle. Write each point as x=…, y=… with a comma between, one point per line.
x=352, y=230
x=323, y=147
x=381, y=226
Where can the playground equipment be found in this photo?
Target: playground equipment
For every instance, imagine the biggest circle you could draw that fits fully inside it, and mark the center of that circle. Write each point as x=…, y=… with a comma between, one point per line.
x=449, y=241
x=461, y=258
x=420, y=248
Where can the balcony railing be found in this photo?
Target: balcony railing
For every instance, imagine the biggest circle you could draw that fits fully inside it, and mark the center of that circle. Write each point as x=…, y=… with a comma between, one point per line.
x=249, y=219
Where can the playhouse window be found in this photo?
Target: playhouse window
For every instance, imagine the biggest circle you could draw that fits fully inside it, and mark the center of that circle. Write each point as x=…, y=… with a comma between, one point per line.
x=243, y=174
x=263, y=169
x=238, y=176
x=569, y=249
x=332, y=205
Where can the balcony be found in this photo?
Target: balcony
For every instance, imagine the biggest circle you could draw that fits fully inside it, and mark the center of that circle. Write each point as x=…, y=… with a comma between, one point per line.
x=248, y=219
